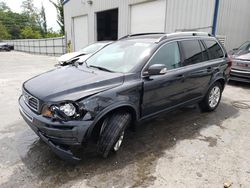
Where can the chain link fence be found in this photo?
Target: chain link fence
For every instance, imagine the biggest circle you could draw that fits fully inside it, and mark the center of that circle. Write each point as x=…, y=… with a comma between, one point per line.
x=46, y=46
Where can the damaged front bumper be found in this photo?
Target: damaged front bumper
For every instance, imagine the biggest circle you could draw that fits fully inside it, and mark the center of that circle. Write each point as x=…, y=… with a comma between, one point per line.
x=59, y=135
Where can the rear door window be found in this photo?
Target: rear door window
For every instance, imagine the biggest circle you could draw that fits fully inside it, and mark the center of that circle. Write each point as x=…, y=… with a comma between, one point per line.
x=205, y=54
x=191, y=52
x=214, y=49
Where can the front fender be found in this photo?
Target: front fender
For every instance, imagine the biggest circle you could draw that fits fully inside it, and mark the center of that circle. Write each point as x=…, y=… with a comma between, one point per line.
x=110, y=109
x=127, y=95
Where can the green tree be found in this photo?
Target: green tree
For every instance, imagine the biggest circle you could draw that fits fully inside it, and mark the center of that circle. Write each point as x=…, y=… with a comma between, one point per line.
x=32, y=13
x=52, y=34
x=3, y=32
x=28, y=7
x=30, y=23
x=4, y=7
x=29, y=33
x=60, y=14
x=14, y=22
x=43, y=21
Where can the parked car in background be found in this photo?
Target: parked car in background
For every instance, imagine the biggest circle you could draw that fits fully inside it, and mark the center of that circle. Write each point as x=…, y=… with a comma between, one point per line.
x=241, y=63
x=84, y=53
x=6, y=47
x=127, y=82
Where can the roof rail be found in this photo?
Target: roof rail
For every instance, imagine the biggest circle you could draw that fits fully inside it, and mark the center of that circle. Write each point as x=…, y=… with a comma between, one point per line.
x=140, y=34
x=179, y=34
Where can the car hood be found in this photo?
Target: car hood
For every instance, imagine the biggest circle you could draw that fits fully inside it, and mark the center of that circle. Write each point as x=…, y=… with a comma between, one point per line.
x=69, y=56
x=245, y=56
x=71, y=83
x=84, y=57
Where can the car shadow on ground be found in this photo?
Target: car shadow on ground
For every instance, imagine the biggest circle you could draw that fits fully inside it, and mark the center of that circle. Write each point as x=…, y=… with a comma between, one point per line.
x=132, y=165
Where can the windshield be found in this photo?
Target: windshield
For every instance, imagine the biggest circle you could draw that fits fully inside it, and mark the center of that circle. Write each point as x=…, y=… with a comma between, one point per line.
x=121, y=56
x=90, y=49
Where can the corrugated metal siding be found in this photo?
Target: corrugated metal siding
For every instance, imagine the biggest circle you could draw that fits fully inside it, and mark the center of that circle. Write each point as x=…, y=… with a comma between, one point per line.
x=189, y=15
x=233, y=22
x=76, y=8
x=180, y=15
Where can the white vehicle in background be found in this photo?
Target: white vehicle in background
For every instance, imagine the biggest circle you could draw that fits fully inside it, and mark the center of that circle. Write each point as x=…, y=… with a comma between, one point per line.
x=82, y=54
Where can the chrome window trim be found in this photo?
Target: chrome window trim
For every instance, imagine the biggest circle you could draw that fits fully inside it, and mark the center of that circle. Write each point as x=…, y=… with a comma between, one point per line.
x=179, y=68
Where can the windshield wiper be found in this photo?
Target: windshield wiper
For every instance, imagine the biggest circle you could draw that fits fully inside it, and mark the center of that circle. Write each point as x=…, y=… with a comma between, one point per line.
x=100, y=68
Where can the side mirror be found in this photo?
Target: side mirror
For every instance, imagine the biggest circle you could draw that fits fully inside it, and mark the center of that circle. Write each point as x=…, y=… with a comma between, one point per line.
x=157, y=69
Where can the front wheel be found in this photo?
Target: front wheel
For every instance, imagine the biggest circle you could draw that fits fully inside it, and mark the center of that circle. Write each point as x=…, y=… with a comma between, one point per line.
x=212, y=98
x=112, y=132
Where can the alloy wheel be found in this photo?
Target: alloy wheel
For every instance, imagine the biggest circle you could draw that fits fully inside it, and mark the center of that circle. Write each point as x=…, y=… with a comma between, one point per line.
x=214, y=97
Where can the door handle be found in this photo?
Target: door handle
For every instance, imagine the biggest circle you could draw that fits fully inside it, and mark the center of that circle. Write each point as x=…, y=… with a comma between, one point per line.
x=180, y=76
x=209, y=69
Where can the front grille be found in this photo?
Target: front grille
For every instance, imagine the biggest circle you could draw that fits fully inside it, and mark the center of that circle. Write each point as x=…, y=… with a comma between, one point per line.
x=31, y=101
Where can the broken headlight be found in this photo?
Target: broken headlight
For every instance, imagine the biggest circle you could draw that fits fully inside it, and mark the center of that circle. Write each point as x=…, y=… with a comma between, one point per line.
x=63, y=111
x=68, y=109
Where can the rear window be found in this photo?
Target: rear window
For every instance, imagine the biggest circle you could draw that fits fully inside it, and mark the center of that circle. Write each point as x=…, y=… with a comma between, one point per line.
x=214, y=49
x=192, y=52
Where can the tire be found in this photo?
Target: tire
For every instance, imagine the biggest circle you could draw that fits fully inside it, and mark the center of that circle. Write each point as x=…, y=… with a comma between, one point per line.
x=212, y=98
x=112, y=131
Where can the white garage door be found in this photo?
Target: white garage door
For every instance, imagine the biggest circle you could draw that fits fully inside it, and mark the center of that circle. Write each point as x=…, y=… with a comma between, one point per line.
x=80, y=32
x=148, y=17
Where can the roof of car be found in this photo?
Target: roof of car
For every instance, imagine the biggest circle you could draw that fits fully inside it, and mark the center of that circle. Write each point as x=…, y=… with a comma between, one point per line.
x=158, y=37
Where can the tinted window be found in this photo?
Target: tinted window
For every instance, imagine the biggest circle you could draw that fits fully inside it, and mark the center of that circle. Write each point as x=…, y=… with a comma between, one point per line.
x=168, y=55
x=204, y=53
x=192, y=52
x=214, y=49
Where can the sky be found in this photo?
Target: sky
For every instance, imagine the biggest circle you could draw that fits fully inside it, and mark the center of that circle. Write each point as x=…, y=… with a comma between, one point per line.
x=51, y=14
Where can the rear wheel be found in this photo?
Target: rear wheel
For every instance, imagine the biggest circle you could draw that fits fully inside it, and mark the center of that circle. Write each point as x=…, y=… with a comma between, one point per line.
x=212, y=98
x=112, y=132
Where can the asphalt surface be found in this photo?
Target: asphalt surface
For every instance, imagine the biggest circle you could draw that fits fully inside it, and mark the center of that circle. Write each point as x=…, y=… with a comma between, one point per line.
x=185, y=148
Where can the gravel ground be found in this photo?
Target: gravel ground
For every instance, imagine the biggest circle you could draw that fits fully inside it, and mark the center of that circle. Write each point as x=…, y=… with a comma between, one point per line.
x=184, y=148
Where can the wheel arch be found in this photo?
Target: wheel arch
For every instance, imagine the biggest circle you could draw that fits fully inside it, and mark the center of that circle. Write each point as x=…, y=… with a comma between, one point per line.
x=221, y=80
x=96, y=125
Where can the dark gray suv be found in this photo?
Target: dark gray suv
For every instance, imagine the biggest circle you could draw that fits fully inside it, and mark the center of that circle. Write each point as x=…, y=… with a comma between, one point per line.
x=129, y=81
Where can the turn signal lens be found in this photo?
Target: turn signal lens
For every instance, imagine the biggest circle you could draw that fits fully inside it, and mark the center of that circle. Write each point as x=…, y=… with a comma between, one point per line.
x=47, y=112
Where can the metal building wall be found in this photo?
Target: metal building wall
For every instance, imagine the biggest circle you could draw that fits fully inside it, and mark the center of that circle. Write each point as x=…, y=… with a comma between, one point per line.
x=233, y=22
x=180, y=15
x=76, y=8
x=189, y=15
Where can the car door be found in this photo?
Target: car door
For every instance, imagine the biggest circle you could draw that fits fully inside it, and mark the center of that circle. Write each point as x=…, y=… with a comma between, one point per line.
x=198, y=68
x=164, y=91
